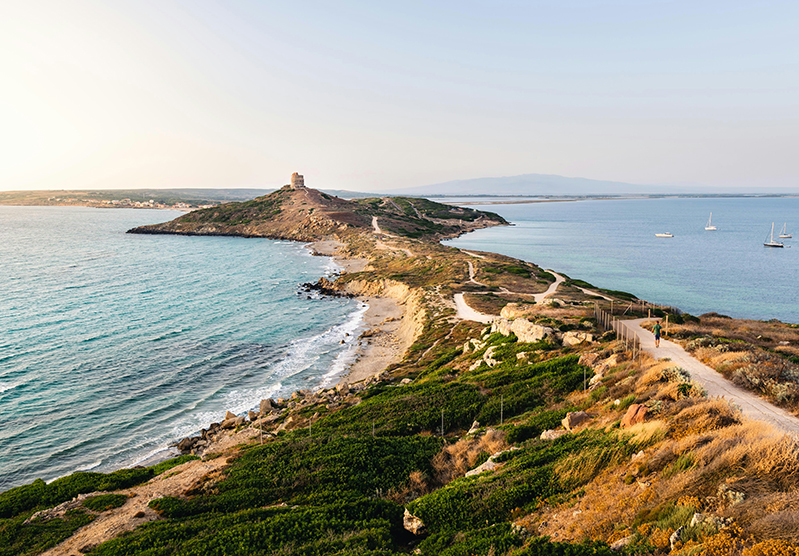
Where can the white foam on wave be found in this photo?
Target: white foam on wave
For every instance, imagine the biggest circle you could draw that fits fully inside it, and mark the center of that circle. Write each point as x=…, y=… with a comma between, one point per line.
x=6, y=386
x=90, y=466
x=304, y=352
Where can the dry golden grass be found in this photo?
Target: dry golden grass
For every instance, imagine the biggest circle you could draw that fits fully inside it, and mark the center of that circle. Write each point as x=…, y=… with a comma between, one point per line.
x=645, y=434
x=454, y=460
x=706, y=415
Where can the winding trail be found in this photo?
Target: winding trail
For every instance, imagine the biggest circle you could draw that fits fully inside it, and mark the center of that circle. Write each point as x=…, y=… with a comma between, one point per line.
x=553, y=287
x=464, y=312
x=713, y=382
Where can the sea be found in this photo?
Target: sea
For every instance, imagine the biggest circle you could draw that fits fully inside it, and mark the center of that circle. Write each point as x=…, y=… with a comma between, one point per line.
x=611, y=243
x=114, y=345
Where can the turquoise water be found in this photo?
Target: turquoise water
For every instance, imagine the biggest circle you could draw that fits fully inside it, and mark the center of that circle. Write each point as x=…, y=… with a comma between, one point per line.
x=612, y=244
x=114, y=345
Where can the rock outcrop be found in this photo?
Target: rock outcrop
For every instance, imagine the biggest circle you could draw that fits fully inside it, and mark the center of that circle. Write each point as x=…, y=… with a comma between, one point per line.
x=575, y=419
x=524, y=330
x=635, y=414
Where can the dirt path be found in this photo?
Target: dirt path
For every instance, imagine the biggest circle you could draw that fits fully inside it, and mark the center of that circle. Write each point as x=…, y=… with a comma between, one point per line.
x=472, y=273
x=467, y=313
x=594, y=293
x=553, y=287
x=714, y=383
x=463, y=311
x=135, y=511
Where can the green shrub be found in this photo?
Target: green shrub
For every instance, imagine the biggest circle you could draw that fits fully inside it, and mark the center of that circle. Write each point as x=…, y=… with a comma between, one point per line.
x=493, y=539
x=38, y=494
x=527, y=478
x=533, y=427
x=410, y=409
x=170, y=463
x=543, y=547
x=105, y=502
x=17, y=539
x=626, y=402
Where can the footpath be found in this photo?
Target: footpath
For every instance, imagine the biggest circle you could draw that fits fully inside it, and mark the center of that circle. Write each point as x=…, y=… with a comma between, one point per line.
x=751, y=405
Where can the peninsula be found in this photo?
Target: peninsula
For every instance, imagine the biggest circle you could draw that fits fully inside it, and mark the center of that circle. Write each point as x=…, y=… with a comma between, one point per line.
x=520, y=416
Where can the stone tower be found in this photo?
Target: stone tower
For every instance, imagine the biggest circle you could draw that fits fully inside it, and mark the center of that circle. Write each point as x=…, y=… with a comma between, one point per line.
x=297, y=181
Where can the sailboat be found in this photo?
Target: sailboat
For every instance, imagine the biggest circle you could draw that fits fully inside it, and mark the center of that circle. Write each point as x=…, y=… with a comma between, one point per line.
x=710, y=227
x=784, y=233
x=771, y=242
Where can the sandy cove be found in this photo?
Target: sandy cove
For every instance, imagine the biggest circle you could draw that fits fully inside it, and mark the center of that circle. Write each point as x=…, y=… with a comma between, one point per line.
x=391, y=331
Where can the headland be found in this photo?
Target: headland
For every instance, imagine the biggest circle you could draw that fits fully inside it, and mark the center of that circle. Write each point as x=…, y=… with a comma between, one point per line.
x=548, y=431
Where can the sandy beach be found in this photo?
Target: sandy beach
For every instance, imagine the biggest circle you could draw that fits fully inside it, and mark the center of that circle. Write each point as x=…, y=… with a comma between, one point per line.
x=385, y=341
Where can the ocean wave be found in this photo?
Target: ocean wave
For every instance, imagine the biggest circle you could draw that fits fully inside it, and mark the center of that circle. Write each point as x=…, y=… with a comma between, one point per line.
x=303, y=352
x=6, y=386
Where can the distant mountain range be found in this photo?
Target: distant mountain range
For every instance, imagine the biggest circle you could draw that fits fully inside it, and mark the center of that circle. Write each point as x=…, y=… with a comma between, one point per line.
x=547, y=185
x=535, y=185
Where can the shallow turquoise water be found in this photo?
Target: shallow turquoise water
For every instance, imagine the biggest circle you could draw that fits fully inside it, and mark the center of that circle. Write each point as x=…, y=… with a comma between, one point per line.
x=612, y=244
x=115, y=344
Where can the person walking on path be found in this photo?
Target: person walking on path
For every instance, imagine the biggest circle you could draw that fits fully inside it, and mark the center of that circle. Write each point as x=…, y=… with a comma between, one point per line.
x=657, y=329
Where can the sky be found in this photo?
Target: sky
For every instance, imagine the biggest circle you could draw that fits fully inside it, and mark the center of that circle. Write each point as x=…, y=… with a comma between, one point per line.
x=383, y=95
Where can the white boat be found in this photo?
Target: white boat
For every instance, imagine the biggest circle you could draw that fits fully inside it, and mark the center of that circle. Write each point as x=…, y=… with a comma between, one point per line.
x=667, y=234
x=710, y=227
x=784, y=233
x=771, y=242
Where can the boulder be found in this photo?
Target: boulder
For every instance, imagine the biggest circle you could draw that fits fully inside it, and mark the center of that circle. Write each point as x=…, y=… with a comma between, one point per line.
x=676, y=536
x=622, y=543
x=265, y=406
x=527, y=332
x=712, y=520
x=405, y=381
x=552, y=434
x=502, y=326
x=475, y=427
x=575, y=419
x=252, y=415
x=187, y=443
x=490, y=464
x=635, y=414
x=240, y=421
x=284, y=425
x=488, y=357
x=413, y=524
x=228, y=423
x=229, y=415
x=588, y=359
x=574, y=338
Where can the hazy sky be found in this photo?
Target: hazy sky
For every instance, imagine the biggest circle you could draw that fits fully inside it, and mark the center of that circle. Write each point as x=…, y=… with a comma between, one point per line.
x=373, y=95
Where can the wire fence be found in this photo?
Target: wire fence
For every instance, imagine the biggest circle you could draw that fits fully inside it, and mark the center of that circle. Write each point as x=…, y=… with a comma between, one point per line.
x=623, y=332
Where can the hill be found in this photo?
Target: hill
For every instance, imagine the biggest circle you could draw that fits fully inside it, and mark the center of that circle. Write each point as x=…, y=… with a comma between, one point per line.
x=305, y=214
